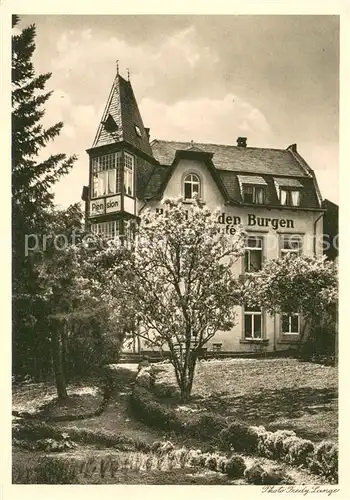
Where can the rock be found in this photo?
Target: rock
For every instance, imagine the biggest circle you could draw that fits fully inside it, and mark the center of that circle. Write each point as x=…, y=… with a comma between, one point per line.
x=273, y=475
x=254, y=474
x=144, y=379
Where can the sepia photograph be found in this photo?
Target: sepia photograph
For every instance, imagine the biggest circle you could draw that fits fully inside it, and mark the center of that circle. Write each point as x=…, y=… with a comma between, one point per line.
x=175, y=250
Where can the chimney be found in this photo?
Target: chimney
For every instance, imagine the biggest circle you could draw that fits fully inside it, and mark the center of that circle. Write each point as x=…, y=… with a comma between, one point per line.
x=242, y=142
x=147, y=132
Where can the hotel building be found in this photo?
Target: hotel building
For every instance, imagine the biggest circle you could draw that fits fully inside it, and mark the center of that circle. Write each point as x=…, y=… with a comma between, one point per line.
x=273, y=193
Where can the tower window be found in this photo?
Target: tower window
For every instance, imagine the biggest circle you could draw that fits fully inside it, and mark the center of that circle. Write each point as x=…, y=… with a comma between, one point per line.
x=129, y=174
x=109, y=230
x=110, y=124
x=106, y=174
x=192, y=186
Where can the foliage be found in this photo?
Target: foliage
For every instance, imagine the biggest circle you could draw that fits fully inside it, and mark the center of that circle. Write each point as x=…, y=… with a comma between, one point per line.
x=235, y=466
x=240, y=437
x=325, y=460
x=32, y=198
x=305, y=285
x=181, y=281
x=47, y=444
x=48, y=470
x=283, y=445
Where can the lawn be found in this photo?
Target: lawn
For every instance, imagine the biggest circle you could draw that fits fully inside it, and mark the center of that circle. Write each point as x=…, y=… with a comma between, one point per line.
x=277, y=393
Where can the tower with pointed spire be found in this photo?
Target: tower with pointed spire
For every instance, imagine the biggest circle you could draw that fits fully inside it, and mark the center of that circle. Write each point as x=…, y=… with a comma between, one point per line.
x=119, y=159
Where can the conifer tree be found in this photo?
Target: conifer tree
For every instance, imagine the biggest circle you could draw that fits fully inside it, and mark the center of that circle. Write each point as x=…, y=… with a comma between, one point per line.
x=32, y=198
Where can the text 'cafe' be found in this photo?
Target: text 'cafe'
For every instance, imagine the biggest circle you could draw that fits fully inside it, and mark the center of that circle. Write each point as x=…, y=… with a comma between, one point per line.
x=272, y=193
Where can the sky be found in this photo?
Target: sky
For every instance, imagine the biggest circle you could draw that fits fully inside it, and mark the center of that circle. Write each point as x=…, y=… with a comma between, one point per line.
x=272, y=79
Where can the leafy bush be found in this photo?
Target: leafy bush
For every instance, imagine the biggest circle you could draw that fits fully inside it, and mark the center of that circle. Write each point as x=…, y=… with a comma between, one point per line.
x=284, y=445
x=273, y=444
x=211, y=462
x=240, y=437
x=325, y=460
x=235, y=466
x=298, y=451
x=30, y=431
x=47, y=444
x=210, y=424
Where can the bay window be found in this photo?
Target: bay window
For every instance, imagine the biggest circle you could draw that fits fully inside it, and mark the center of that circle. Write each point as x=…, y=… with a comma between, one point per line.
x=129, y=174
x=109, y=230
x=106, y=174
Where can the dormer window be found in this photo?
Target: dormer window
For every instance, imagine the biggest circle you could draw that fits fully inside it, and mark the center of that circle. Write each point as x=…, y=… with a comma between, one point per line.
x=253, y=194
x=110, y=125
x=288, y=191
x=192, y=186
x=138, y=131
x=253, y=188
x=290, y=198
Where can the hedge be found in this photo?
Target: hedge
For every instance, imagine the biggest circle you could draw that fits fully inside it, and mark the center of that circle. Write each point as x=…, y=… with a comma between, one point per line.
x=280, y=445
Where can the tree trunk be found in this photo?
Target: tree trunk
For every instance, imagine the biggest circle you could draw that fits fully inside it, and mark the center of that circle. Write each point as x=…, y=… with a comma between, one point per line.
x=57, y=364
x=65, y=353
x=187, y=379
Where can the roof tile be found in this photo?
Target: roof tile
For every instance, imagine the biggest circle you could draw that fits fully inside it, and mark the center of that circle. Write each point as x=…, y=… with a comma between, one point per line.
x=232, y=158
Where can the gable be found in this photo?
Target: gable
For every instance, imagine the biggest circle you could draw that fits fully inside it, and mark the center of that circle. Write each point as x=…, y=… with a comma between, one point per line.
x=210, y=192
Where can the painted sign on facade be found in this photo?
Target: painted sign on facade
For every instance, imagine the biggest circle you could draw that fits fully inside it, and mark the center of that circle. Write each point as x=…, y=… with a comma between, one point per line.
x=103, y=206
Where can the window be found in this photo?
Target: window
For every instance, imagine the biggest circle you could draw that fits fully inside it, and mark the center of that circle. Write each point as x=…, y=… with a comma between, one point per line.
x=217, y=347
x=291, y=245
x=290, y=198
x=290, y=324
x=138, y=131
x=192, y=186
x=253, y=194
x=106, y=174
x=252, y=323
x=129, y=174
x=110, y=229
x=288, y=190
x=253, y=254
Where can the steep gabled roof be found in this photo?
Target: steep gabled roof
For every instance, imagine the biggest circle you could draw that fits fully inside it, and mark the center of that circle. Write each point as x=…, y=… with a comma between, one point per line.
x=230, y=163
x=121, y=120
x=232, y=158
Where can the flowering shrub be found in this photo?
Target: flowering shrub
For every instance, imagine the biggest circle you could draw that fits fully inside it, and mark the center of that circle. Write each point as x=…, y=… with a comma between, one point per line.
x=325, y=460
